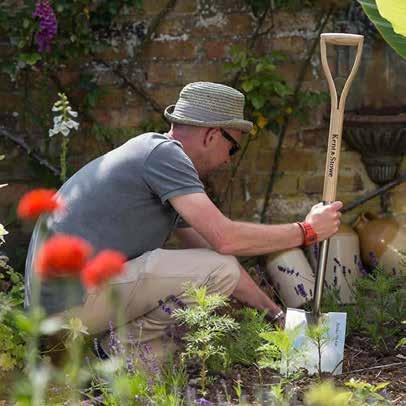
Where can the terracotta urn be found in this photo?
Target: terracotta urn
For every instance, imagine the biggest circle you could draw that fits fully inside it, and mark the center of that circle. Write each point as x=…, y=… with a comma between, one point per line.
x=292, y=276
x=344, y=264
x=382, y=239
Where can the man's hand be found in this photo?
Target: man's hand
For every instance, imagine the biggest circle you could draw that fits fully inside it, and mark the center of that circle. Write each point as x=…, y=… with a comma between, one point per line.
x=325, y=219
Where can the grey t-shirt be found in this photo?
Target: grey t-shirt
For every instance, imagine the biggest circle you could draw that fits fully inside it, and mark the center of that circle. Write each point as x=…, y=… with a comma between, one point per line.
x=120, y=201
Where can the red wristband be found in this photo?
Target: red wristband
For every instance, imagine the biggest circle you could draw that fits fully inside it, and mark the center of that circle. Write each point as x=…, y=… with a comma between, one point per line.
x=309, y=235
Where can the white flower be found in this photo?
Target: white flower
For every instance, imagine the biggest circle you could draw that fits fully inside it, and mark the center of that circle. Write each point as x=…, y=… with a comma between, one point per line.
x=3, y=232
x=62, y=122
x=58, y=119
x=71, y=112
x=72, y=124
x=64, y=130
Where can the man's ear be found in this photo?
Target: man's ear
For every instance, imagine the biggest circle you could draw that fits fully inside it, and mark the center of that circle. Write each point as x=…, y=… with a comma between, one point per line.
x=209, y=136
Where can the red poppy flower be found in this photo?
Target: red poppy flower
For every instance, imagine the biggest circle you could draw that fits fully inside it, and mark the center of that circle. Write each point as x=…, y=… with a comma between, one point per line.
x=102, y=267
x=62, y=255
x=36, y=202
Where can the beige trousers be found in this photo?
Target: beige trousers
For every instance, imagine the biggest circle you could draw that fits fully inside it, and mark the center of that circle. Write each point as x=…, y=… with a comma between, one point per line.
x=150, y=287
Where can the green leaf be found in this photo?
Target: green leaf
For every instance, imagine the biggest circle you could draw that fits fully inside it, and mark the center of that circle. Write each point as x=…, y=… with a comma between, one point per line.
x=30, y=58
x=396, y=41
x=395, y=12
x=258, y=101
x=247, y=85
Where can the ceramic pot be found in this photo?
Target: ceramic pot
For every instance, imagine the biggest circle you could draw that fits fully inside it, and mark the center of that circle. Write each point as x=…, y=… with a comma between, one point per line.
x=381, y=240
x=344, y=265
x=292, y=276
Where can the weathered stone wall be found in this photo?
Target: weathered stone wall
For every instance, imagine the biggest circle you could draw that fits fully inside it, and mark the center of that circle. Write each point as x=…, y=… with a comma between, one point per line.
x=193, y=43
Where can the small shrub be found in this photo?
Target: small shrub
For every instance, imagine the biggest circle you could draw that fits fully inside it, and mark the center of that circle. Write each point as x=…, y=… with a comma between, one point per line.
x=279, y=351
x=242, y=344
x=206, y=329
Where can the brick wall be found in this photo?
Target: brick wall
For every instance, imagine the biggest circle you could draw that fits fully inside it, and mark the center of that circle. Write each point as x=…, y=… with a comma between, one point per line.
x=191, y=44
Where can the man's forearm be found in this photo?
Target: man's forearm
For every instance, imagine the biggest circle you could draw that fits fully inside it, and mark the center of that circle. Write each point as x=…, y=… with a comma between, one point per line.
x=248, y=292
x=257, y=239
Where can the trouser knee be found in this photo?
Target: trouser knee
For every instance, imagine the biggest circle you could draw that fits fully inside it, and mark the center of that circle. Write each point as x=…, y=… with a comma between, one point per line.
x=226, y=277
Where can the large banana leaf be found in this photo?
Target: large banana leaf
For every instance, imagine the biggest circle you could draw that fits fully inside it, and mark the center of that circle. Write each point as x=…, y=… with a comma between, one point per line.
x=394, y=10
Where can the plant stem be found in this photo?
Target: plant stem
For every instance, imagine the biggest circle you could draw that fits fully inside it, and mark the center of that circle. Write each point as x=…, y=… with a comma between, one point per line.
x=64, y=151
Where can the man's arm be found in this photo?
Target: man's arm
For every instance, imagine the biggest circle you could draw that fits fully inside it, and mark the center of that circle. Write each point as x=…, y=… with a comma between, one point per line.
x=240, y=238
x=190, y=238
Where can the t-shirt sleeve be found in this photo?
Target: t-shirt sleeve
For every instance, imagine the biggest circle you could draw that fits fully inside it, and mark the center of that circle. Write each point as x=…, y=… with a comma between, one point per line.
x=169, y=172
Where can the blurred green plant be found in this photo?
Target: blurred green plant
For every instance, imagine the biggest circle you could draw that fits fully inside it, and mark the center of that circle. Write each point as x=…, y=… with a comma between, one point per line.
x=325, y=393
x=365, y=393
x=12, y=339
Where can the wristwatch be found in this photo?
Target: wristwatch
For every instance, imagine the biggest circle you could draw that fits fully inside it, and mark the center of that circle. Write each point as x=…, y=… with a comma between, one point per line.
x=309, y=235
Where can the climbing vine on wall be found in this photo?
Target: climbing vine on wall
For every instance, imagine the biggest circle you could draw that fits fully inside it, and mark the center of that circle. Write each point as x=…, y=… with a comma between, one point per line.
x=269, y=97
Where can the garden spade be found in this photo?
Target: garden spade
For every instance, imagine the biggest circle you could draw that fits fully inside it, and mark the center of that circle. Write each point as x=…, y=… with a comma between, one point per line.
x=327, y=352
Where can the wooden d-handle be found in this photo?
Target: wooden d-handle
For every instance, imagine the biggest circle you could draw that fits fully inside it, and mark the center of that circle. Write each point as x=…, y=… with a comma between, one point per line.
x=337, y=106
x=342, y=39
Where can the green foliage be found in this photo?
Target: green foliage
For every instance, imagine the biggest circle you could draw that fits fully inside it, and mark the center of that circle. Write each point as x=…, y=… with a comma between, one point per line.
x=378, y=309
x=269, y=98
x=81, y=24
x=119, y=386
x=380, y=304
x=242, y=344
x=279, y=350
x=385, y=28
x=326, y=393
x=365, y=393
x=206, y=328
x=12, y=339
x=318, y=334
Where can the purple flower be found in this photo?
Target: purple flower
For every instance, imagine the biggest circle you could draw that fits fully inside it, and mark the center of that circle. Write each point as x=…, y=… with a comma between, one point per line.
x=150, y=361
x=301, y=290
x=114, y=343
x=48, y=25
x=373, y=259
x=203, y=402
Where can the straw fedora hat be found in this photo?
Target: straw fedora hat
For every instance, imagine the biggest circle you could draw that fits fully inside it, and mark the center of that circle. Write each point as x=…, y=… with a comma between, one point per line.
x=206, y=104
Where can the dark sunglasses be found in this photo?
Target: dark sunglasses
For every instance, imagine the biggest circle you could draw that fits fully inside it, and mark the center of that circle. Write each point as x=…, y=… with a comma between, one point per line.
x=236, y=146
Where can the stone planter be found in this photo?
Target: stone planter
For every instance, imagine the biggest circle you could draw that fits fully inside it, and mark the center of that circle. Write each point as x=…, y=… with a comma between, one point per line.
x=381, y=141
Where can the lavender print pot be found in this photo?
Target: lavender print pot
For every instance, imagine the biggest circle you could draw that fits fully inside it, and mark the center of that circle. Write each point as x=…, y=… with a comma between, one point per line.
x=292, y=276
x=344, y=264
x=382, y=240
